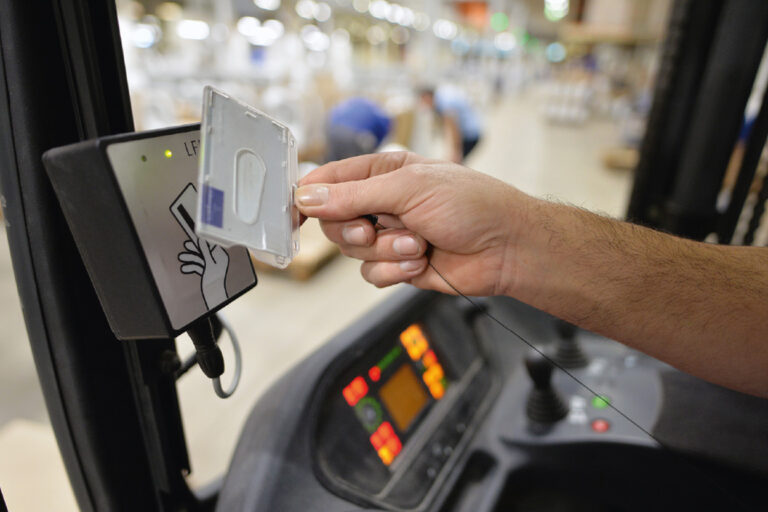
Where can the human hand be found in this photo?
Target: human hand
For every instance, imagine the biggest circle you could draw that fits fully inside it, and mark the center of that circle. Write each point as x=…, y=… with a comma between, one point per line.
x=463, y=222
x=211, y=263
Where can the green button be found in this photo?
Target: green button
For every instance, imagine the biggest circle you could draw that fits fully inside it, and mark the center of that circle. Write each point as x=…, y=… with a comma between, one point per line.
x=600, y=402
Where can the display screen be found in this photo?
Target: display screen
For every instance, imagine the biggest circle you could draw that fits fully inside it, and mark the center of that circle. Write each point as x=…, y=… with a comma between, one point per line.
x=391, y=396
x=403, y=396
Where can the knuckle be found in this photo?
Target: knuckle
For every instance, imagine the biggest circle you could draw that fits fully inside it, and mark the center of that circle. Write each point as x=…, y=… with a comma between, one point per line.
x=417, y=171
x=348, y=199
x=400, y=158
x=347, y=251
x=372, y=272
x=332, y=234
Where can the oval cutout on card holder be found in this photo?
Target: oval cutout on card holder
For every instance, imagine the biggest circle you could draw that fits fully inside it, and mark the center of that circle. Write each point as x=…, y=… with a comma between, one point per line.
x=250, y=173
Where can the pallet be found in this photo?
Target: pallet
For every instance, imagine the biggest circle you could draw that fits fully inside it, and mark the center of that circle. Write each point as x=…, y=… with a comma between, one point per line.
x=621, y=158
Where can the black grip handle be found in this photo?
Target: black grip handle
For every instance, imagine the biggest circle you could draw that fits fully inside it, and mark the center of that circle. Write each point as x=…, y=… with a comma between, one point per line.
x=209, y=356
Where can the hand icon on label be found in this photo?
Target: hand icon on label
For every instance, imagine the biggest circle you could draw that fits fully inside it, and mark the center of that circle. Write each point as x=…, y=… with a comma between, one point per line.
x=211, y=263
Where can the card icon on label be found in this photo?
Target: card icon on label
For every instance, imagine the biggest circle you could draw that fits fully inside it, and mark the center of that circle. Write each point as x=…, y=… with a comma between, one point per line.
x=209, y=261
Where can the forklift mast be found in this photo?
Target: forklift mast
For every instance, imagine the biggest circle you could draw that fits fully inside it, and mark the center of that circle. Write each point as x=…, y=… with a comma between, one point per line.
x=114, y=411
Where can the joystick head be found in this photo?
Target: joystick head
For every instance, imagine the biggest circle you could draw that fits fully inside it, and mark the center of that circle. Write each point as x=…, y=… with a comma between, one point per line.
x=539, y=369
x=568, y=353
x=544, y=404
x=565, y=330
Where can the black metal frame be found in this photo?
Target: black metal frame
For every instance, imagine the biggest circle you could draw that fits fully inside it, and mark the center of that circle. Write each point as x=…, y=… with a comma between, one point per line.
x=752, y=151
x=113, y=405
x=709, y=63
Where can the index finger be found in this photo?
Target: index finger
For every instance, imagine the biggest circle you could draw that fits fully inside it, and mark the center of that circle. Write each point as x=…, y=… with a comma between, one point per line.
x=360, y=167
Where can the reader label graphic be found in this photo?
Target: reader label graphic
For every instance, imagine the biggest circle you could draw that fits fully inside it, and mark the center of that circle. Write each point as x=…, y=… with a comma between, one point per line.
x=192, y=276
x=209, y=261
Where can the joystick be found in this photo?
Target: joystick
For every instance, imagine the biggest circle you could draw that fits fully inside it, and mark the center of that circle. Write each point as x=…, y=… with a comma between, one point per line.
x=544, y=404
x=568, y=353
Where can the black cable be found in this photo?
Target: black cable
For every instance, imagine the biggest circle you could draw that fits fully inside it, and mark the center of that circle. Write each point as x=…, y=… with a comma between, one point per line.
x=217, y=327
x=679, y=457
x=208, y=353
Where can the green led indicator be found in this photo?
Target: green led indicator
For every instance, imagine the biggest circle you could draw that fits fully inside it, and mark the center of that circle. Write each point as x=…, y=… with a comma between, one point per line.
x=168, y=153
x=389, y=358
x=499, y=22
x=143, y=158
x=600, y=402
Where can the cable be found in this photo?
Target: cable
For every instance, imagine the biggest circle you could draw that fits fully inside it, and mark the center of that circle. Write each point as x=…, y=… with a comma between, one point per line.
x=238, y=360
x=610, y=404
x=208, y=354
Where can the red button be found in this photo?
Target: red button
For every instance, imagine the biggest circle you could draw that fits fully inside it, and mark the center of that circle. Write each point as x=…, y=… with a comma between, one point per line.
x=600, y=426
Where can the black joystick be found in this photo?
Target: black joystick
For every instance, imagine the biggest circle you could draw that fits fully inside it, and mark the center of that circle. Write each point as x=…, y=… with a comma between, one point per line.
x=544, y=404
x=568, y=353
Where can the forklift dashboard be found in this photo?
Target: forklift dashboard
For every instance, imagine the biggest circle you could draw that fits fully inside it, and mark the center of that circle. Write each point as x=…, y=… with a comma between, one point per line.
x=427, y=404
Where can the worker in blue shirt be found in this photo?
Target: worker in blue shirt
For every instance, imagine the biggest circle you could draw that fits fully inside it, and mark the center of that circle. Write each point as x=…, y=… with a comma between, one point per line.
x=356, y=126
x=461, y=122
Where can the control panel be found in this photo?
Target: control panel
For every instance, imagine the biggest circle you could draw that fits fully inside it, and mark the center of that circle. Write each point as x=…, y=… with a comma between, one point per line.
x=395, y=417
x=420, y=406
x=397, y=391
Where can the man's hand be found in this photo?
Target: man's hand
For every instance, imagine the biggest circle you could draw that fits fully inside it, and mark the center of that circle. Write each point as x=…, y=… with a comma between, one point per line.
x=462, y=221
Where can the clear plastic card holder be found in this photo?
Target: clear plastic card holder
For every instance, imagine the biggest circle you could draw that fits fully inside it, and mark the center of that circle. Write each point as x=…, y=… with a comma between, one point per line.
x=248, y=174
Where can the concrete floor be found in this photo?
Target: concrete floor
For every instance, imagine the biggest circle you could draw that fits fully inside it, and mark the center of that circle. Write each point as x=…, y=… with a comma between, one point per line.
x=280, y=321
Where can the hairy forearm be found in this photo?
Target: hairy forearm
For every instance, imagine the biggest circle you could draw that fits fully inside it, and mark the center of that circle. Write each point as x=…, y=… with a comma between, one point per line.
x=699, y=307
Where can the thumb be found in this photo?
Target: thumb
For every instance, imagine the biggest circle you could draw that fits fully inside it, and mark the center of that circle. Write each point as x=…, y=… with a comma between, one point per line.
x=385, y=193
x=219, y=255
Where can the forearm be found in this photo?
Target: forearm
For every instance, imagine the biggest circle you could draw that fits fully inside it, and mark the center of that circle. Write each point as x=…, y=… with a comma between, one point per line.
x=699, y=307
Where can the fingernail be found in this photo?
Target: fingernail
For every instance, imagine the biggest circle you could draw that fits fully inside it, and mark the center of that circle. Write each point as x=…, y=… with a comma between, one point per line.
x=405, y=246
x=410, y=265
x=354, y=235
x=312, y=195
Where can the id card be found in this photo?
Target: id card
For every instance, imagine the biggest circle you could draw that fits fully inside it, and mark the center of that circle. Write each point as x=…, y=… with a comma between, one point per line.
x=247, y=178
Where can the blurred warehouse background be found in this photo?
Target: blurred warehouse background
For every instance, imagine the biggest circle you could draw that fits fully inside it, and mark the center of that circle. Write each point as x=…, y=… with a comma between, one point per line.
x=296, y=60
x=558, y=91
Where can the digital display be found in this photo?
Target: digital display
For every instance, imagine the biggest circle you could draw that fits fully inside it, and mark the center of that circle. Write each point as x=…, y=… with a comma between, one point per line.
x=403, y=396
x=391, y=395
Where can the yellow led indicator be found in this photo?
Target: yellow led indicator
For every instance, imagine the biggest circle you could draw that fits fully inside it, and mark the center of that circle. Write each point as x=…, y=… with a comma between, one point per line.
x=385, y=454
x=414, y=341
x=168, y=153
